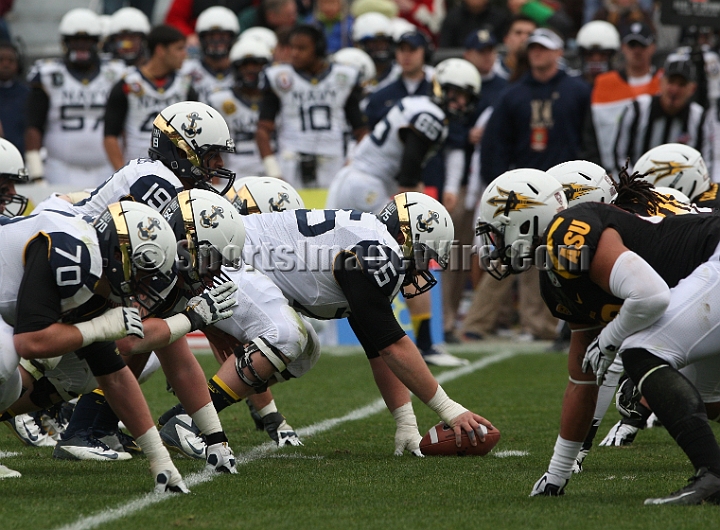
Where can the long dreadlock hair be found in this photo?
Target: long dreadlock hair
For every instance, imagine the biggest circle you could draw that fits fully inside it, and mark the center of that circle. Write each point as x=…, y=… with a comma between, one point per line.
x=634, y=192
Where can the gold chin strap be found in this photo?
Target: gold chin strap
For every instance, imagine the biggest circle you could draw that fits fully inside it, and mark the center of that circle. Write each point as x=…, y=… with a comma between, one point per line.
x=405, y=227
x=189, y=225
x=123, y=233
x=177, y=139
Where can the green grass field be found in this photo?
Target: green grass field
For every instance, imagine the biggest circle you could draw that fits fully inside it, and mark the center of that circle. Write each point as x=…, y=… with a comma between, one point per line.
x=346, y=477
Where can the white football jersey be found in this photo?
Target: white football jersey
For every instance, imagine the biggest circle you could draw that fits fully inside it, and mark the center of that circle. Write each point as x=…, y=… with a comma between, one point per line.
x=312, y=112
x=145, y=102
x=242, y=117
x=205, y=82
x=296, y=249
x=74, y=258
x=142, y=180
x=380, y=153
x=74, y=127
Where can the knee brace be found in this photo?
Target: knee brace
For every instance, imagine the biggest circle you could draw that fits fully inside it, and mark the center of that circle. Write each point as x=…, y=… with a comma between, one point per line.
x=244, y=361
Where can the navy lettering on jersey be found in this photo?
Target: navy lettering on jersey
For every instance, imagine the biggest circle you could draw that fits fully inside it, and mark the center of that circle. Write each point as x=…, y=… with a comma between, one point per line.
x=382, y=266
x=154, y=191
x=70, y=263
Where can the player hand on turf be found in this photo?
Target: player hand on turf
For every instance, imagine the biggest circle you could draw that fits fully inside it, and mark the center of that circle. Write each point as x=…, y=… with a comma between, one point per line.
x=407, y=435
x=598, y=358
x=621, y=434
x=211, y=306
x=470, y=423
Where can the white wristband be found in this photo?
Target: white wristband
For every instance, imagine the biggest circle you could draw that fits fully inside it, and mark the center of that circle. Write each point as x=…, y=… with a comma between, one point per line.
x=156, y=453
x=34, y=164
x=179, y=326
x=405, y=416
x=89, y=331
x=272, y=168
x=445, y=407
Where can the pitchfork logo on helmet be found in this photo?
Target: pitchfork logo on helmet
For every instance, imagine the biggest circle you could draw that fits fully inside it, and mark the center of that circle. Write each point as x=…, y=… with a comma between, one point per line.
x=147, y=233
x=510, y=201
x=666, y=168
x=575, y=191
x=279, y=205
x=192, y=130
x=211, y=221
x=425, y=225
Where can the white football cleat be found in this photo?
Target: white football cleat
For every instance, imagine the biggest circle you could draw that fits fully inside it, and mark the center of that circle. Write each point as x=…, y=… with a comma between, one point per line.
x=6, y=472
x=220, y=458
x=170, y=481
x=182, y=435
x=437, y=356
x=549, y=485
x=29, y=432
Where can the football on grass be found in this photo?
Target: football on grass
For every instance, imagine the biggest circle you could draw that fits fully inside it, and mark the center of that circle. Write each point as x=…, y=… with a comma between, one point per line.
x=440, y=441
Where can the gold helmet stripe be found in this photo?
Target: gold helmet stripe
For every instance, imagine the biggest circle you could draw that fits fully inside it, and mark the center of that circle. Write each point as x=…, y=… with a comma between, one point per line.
x=176, y=138
x=405, y=226
x=123, y=233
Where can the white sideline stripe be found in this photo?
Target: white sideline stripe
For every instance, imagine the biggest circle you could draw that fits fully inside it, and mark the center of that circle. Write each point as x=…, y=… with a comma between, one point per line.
x=8, y=454
x=113, y=514
x=506, y=454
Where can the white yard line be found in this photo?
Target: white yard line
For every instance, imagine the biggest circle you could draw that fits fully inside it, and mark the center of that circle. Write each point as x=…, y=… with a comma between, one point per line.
x=113, y=514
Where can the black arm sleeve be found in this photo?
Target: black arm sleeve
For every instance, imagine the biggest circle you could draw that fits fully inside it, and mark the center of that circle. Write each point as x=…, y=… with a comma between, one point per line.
x=270, y=105
x=38, y=301
x=416, y=149
x=37, y=107
x=353, y=115
x=372, y=317
x=116, y=110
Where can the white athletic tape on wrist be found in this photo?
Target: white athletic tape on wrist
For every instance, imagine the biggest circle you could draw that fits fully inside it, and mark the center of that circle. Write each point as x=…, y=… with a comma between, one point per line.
x=89, y=331
x=272, y=168
x=268, y=409
x=445, y=407
x=405, y=415
x=34, y=164
x=206, y=419
x=156, y=453
x=179, y=326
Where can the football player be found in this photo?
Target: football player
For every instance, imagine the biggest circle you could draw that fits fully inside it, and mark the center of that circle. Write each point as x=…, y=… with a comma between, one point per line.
x=52, y=265
x=217, y=27
x=66, y=107
x=135, y=101
x=614, y=276
x=373, y=34
x=345, y=263
x=240, y=104
x=127, y=38
x=312, y=100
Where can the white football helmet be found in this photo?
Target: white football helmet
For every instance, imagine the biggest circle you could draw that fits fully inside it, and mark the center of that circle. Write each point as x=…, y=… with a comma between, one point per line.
x=200, y=133
x=672, y=193
x=264, y=35
x=676, y=166
x=359, y=60
x=80, y=21
x=12, y=170
x=139, y=251
x=515, y=210
x=217, y=18
x=374, y=27
x=455, y=74
x=400, y=26
x=214, y=232
x=584, y=181
x=425, y=231
x=264, y=195
x=129, y=19
x=598, y=35
x=250, y=49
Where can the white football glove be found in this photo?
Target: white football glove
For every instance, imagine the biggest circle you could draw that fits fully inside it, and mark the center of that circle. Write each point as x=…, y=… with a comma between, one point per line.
x=220, y=458
x=211, y=306
x=620, y=434
x=407, y=435
x=114, y=324
x=549, y=485
x=287, y=436
x=598, y=358
x=170, y=481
